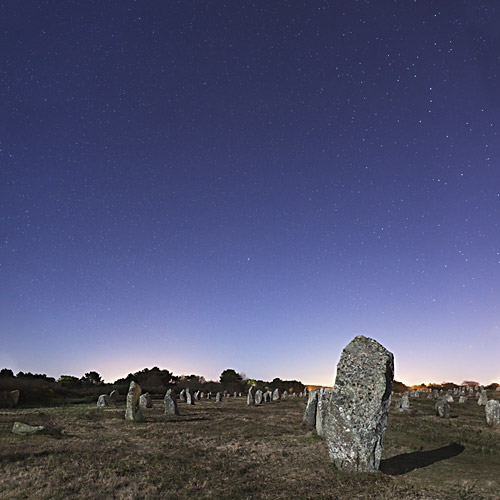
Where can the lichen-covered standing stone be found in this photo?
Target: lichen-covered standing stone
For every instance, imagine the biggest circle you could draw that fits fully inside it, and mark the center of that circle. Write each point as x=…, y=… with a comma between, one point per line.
x=276, y=395
x=357, y=413
x=218, y=397
x=133, y=412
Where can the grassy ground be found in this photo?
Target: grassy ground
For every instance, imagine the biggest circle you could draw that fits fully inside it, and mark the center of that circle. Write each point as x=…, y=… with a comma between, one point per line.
x=230, y=451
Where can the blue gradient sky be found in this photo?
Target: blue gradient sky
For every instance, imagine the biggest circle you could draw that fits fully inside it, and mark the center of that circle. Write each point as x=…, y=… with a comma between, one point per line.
x=249, y=185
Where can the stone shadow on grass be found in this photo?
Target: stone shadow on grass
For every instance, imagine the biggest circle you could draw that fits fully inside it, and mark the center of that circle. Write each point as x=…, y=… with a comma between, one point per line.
x=406, y=462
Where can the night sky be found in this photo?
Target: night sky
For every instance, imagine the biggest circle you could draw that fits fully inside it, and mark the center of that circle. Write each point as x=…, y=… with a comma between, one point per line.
x=204, y=185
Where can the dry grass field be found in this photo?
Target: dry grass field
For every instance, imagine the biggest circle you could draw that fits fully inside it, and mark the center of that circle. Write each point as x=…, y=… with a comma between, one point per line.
x=230, y=451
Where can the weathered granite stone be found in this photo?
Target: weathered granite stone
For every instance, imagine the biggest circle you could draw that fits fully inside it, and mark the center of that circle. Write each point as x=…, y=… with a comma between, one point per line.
x=483, y=399
x=429, y=395
x=133, y=411
x=276, y=395
x=462, y=399
x=218, y=397
x=145, y=400
x=202, y=395
x=103, y=400
x=306, y=392
x=492, y=409
x=284, y=395
x=442, y=408
x=20, y=428
x=404, y=403
x=113, y=396
x=235, y=395
x=258, y=397
x=197, y=395
x=356, y=419
x=209, y=395
x=324, y=396
x=268, y=396
x=170, y=402
x=449, y=398
x=311, y=408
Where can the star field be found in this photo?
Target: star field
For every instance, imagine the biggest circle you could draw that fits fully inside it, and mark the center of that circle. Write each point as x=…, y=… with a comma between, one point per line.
x=203, y=185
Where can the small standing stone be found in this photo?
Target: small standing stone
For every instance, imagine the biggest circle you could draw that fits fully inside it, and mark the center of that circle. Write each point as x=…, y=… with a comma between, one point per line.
x=462, y=399
x=284, y=395
x=449, y=398
x=182, y=395
x=218, y=397
x=276, y=394
x=250, y=397
x=133, y=412
x=189, y=397
x=113, y=397
x=324, y=396
x=170, y=402
x=492, y=409
x=483, y=399
x=311, y=408
x=443, y=408
x=103, y=400
x=145, y=400
x=404, y=403
x=258, y=397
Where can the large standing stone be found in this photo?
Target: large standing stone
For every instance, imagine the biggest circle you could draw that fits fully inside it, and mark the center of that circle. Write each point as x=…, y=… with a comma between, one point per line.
x=258, y=397
x=250, y=397
x=103, y=400
x=492, y=412
x=276, y=394
x=170, y=402
x=133, y=412
x=324, y=396
x=483, y=399
x=357, y=413
x=443, y=408
x=145, y=400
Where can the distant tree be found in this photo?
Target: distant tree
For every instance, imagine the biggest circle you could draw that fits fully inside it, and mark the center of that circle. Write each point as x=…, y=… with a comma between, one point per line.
x=492, y=387
x=92, y=378
x=399, y=386
x=5, y=372
x=68, y=379
x=230, y=376
x=470, y=383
